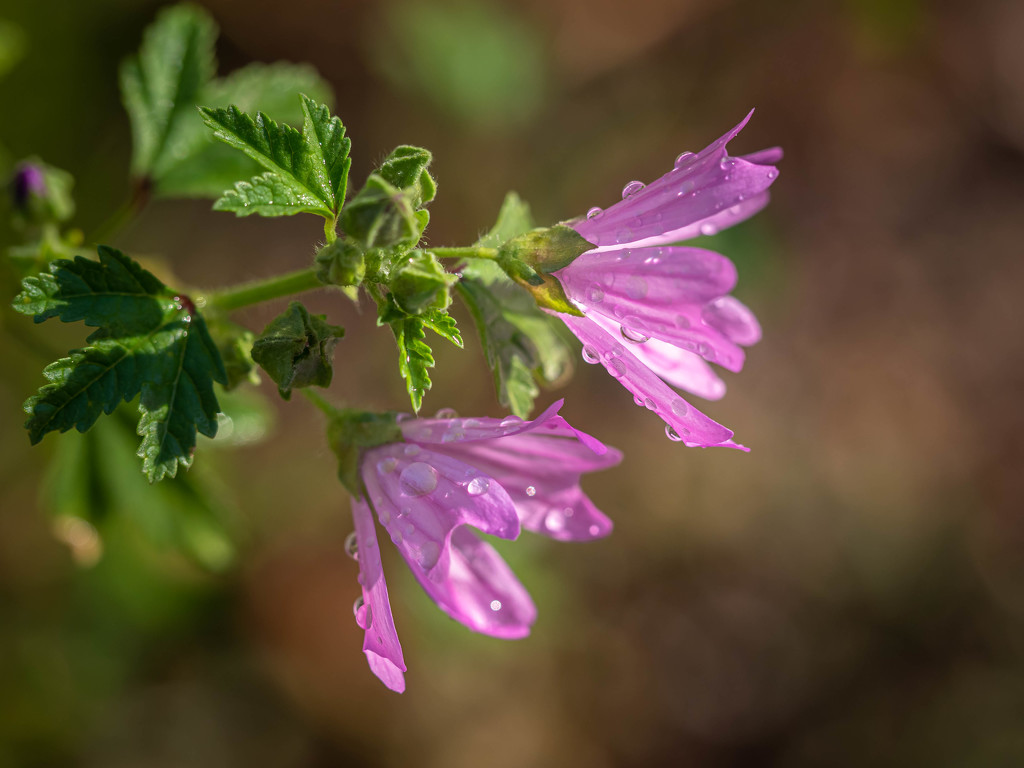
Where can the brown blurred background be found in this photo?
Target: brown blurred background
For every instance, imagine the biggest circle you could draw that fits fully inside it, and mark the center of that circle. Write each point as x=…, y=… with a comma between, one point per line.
x=850, y=593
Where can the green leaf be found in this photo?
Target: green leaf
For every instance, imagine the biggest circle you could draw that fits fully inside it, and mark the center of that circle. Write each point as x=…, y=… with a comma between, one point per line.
x=308, y=171
x=419, y=283
x=204, y=167
x=522, y=344
x=415, y=356
x=296, y=348
x=161, y=84
x=350, y=433
x=341, y=263
x=150, y=342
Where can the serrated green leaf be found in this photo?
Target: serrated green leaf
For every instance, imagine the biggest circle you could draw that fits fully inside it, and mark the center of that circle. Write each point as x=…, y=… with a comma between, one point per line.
x=307, y=171
x=161, y=84
x=419, y=283
x=149, y=342
x=415, y=356
x=296, y=348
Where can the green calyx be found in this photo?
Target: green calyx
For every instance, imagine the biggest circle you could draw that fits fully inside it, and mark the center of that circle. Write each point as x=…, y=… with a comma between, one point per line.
x=531, y=257
x=351, y=433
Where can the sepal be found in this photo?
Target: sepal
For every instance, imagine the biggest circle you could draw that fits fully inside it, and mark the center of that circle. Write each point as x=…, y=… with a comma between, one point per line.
x=296, y=349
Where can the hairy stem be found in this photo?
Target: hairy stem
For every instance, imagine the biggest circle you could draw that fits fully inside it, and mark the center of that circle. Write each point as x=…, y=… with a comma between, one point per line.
x=258, y=291
x=320, y=402
x=468, y=252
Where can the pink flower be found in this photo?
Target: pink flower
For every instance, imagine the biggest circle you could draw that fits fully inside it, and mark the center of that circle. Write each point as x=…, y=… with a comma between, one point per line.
x=452, y=475
x=670, y=304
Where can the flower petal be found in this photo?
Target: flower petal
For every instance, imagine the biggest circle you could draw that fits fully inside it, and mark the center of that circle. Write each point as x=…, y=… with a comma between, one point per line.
x=710, y=225
x=658, y=292
x=678, y=367
x=425, y=500
x=693, y=426
x=380, y=642
x=462, y=430
x=697, y=188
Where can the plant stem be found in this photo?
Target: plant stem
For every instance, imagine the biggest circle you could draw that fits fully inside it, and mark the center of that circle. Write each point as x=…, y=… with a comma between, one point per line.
x=468, y=252
x=320, y=402
x=132, y=207
x=259, y=291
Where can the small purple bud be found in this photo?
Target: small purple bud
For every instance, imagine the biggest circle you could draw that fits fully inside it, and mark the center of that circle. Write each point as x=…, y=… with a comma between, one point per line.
x=28, y=182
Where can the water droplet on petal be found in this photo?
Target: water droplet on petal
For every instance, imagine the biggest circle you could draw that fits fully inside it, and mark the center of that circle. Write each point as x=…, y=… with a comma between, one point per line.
x=634, y=337
x=707, y=228
x=594, y=529
x=384, y=513
x=362, y=612
x=638, y=400
x=706, y=351
x=428, y=554
x=684, y=159
x=632, y=188
x=418, y=479
x=478, y=486
x=623, y=236
x=671, y=434
x=593, y=212
x=595, y=294
x=510, y=421
x=616, y=368
x=555, y=521
x=531, y=491
x=495, y=605
x=590, y=355
x=454, y=433
x=352, y=545
x=679, y=407
x=772, y=174
x=411, y=450
x=446, y=413
x=387, y=466
x=682, y=321
x=649, y=404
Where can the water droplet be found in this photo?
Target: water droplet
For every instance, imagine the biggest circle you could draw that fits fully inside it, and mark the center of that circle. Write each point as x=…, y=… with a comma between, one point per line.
x=649, y=404
x=387, y=466
x=682, y=321
x=495, y=605
x=679, y=407
x=614, y=351
x=634, y=337
x=352, y=545
x=595, y=294
x=511, y=421
x=593, y=212
x=590, y=355
x=362, y=612
x=636, y=287
x=671, y=434
x=396, y=537
x=594, y=529
x=616, y=368
x=632, y=188
x=478, y=486
x=383, y=512
x=772, y=174
x=555, y=521
x=706, y=351
x=707, y=228
x=428, y=554
x=454, y=433
x=623, y=236
x=684, y=159
x=411, y=450
x=638, y=400
x=531, y=491
x=404, y=511
x=446, y=413
x=418, y=479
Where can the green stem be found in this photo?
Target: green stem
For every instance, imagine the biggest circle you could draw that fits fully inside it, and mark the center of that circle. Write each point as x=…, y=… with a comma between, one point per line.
x=259, y=291
x=468, y=252
x=320, y=402
x=132, y=207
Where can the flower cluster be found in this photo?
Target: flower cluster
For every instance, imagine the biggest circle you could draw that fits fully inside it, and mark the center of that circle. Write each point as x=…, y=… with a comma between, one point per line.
x=670, y=303
x=448, y=476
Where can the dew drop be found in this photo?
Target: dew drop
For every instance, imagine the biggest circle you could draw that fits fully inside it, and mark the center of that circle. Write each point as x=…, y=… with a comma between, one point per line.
x=593, y=212
x=679, y=407
x=405, y=511
x=590, y=355
x=634, y=337
x=384, y=514
x=555, y=521
x=772, y=174
x=594, y=529
x=706, y=351
x=682, y=321
x=511, y=421
x=428, y=554
x=352, y=545
x=638, y=400
x=495, y=605
x=418, y=479
x=446, y=413
x=671, y=434
x=595, y=294
x=614, y=351
x=478, y=486
x=649, y=404
x=454, y=434
x=632, y=188
x=531, y=491
x=684, y=159
x=411, y=450
x=362, y=612
x=387, y=466
x=707, y=228
x=616, y=368
x=623, y=236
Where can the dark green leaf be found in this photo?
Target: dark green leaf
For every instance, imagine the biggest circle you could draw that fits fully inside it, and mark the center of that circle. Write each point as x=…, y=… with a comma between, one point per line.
x=419, y=283
x=414, y=354
x=296, y=349
x=149, y=342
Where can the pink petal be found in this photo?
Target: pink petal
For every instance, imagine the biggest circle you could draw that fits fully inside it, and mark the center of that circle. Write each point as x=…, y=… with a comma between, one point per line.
x=733, y=319
x=676, y=366
x=711, y=225
x=697, y=188
x=380, y=642
x=689, y=423
x=461, y=430
x=425, y=500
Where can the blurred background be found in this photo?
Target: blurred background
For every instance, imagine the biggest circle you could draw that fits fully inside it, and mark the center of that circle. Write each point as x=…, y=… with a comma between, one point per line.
x=850, y=593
